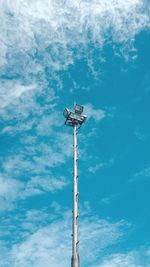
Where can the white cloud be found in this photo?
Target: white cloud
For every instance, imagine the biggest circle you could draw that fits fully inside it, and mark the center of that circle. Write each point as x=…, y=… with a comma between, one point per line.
x=39, y=35
x=130, y=259
x=141, y=175
x=53, y=28
x=97, y=167
x=9, y=187
x=64, y=143
x=96, y=235
x=100, y=165
x=12, y=190
x=18, y=101
x=32, y=161
x=51, y=244
x=45, y=239
x=39, y=185
x=36, y=157
x=139, y=135
x=9, y=191
x=144, y=173
x=44, y=34
x=45, y=125
x=91, y=112
x=11, y=91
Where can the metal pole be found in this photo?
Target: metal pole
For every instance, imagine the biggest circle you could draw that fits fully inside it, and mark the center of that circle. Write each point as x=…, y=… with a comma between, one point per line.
x=75, y=261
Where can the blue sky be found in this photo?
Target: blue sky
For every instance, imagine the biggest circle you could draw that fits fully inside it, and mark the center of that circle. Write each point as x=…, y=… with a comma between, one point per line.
x=53, y=54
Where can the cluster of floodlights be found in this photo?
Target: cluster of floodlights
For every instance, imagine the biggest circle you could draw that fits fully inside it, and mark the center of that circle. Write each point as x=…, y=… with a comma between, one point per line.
x=76, y=117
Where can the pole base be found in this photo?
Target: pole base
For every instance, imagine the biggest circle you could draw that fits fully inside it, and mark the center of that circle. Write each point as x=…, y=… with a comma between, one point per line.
x=75, y=261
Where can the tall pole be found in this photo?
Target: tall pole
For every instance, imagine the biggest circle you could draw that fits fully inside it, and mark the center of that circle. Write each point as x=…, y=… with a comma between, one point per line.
x=75, y=119
x=75, y=261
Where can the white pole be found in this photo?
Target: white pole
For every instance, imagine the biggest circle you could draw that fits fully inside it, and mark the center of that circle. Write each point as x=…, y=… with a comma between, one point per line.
x=75, y=262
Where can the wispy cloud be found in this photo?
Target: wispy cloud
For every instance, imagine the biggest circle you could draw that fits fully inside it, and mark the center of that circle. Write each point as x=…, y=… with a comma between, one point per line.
x=9, y=191
x=92, y=112
x=97, y=167
x=139, y=258
x=14, y=91
x=38, y=39
x=100, y=165
x=38, y=27
x=13, y=190
x=145, y=172
x=141, y=175
x=38, y=150
x=39, y=185
x=51, y=244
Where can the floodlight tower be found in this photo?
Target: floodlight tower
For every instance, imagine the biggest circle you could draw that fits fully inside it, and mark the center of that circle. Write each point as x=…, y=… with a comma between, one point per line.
x=75, y=119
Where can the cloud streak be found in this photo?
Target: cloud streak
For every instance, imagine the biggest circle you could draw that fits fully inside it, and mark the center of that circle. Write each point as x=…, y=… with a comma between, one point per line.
x=38, y=39
x=131, y=259
x=52, y=29
x=13, y=190
x=51, y=244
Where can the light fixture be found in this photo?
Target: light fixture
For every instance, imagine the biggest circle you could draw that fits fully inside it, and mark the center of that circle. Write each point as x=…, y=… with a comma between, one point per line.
x=66, y=113
x=74, y=118
x=78, y=109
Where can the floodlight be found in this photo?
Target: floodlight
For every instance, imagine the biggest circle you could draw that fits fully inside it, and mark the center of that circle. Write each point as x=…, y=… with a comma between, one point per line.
x=74, y=118
x=82, y=119
x=66, y=113
x=78, y=109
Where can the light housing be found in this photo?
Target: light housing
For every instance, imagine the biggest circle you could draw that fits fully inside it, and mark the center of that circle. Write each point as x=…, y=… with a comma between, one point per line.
x=66, y=113
x=82, y=119
x=78, y=109
x=74, y=118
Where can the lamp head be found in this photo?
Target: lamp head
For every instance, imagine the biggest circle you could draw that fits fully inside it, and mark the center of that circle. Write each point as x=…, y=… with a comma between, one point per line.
x=82, y=119
x=78, y=109
x=66, y=113
x=76, y=117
